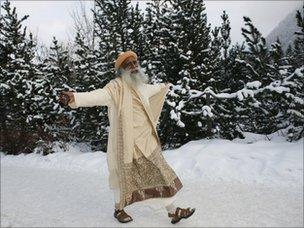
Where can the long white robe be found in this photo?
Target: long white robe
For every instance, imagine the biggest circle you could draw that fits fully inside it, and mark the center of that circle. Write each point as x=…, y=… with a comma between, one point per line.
x=145, y=141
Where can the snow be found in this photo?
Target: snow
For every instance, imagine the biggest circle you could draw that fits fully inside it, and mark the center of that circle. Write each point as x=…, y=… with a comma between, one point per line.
x=176, y=116
x=295, y=112
x=274, y=86
x=207, y=111
x=5, y=86
x=295, y=98
x=254, y=84
x=244, y=182
x=239, y=94
x=19, y=95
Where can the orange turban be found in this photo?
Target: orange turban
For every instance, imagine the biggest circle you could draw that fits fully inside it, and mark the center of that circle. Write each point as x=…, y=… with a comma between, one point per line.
x=123, y=56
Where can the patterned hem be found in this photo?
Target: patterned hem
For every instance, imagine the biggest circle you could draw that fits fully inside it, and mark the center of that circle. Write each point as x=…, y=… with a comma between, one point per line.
x=156, y=192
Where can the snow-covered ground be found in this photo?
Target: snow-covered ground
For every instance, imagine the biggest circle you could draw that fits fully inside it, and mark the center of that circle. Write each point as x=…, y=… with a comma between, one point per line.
x=250, y=182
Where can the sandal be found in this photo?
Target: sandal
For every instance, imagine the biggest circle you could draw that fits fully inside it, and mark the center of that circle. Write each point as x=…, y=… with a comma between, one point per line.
x=181, y=213
x=122, y=216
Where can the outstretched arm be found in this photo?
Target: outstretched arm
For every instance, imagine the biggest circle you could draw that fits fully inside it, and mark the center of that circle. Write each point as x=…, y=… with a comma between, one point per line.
x=153, y=89
x=98, y=97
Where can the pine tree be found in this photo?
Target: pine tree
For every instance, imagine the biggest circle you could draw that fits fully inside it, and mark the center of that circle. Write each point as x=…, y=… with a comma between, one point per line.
x=152, y=30
x=226, y=117
x=184, y=41
x=294, y=102
x=256, y=54
x=258, y=68
x=137, y=38
x=58, y=75
x=299, y=41
x=279, y=84
x=278, y=69
x=17, y=72
x=90, y=123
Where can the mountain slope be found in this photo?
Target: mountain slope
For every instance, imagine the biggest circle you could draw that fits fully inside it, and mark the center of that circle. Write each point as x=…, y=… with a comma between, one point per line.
x=284, y=30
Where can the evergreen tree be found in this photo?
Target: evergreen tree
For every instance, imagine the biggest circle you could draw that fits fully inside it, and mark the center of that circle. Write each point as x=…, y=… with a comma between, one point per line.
x=299, y=41
x=279, y=85
x=294, y=103
x=226, y=117
x=258, y=68
x=183, y=49
x=17, y=72
x=57, y=76
x=152, y=27
x=91, y=124
x=137, y=38
x=256, y=54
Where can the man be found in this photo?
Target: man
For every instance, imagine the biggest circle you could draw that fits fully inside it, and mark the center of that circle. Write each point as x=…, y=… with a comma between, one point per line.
x=138, y=170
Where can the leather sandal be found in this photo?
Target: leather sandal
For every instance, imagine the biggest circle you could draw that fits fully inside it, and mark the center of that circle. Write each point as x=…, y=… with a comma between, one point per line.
x=181, y=213
x=122, y=216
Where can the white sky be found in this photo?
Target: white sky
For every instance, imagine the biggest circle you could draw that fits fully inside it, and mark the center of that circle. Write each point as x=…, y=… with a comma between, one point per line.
x=53, y=18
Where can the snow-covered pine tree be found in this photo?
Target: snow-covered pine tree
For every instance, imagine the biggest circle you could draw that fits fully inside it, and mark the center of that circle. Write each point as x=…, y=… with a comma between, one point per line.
x=212, y=72
x=184, y=39
x=152, y=28
x=214, y=63
x=257, y=54
x=17, y=73
x=231, y=112
x=294, y=68
x=278, y=81
x=58, y=75
x=224, y=81
x=299, y=41
x=279, y=67
x=258, y=68
x=295, y=104
x=91, y=124
x=137, y=38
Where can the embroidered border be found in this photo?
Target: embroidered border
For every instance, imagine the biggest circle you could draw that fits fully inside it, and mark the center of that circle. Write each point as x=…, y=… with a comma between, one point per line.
x=150, y=177
x=155, y=192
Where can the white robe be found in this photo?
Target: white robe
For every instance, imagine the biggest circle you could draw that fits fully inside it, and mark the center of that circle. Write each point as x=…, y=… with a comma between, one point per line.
x=100, y=97
x=148, y=142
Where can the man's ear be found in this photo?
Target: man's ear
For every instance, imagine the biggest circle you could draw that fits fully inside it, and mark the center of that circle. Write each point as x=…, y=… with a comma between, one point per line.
x=119, y=72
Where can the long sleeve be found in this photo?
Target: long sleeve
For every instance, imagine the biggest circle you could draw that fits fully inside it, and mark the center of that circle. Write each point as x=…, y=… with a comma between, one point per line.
x=98, y=97
x=153, y=89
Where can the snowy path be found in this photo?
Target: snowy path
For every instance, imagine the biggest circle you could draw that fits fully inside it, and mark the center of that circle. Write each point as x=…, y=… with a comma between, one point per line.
x=36, y=197
x=244, y=182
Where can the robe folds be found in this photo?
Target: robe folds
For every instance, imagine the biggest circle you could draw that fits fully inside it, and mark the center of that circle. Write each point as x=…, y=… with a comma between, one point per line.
x=136, y=165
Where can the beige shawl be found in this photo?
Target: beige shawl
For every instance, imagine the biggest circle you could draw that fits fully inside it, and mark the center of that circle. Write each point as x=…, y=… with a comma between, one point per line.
x=122, y=97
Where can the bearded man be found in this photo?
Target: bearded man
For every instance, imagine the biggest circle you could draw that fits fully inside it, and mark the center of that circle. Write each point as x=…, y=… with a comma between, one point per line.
x=137, y=168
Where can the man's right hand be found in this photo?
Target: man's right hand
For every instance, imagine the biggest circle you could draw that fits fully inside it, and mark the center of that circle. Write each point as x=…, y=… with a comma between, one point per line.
x=66, y=97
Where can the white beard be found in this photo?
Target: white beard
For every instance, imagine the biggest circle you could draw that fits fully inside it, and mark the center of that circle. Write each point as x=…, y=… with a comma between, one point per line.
x=135, y=79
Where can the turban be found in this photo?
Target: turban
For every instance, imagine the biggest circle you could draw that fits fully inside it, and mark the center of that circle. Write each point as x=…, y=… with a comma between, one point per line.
x=123, y=56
